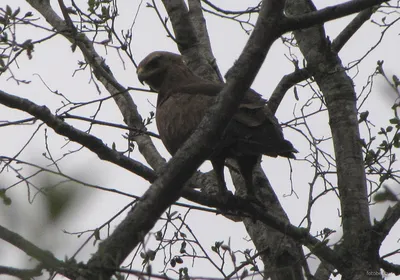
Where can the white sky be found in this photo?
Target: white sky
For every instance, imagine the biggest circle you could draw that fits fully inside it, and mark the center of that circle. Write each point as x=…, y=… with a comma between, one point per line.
x=55, y=63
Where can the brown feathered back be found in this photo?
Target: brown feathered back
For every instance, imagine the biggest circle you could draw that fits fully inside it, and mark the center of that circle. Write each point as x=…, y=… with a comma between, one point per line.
x=184, y=98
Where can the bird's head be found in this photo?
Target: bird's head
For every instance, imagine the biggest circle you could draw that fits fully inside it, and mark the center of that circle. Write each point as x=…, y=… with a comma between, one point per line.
x=155, y=67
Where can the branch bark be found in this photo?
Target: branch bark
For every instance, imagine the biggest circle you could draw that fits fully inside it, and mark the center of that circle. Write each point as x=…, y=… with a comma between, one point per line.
x=277, y=250
x=340, y=98
x=166, y=188
x=143, y=216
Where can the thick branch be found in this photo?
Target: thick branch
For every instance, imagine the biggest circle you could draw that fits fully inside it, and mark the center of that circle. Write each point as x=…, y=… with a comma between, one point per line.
x=340, y=97
x=390, y=267
x=191, y=43
x=166, y=189
x=21, y=273
x=324, y=270
x=200, y=27
x=352, y=28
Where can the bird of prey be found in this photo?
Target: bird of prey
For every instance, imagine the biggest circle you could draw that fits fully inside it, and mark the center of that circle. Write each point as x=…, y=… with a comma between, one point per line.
x=183, y=99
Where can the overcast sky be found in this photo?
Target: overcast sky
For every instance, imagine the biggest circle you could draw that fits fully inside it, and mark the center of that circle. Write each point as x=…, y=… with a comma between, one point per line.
x=56, y=64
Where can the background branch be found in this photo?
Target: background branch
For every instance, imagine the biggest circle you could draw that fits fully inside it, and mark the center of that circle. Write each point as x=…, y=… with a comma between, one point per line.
x=45, y=257
x=91, y=142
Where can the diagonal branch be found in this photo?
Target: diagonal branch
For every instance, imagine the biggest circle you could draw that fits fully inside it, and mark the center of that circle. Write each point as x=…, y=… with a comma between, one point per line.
x=348, y=32
x=89, y=141
x=297, y=22
x=390, y=267
x=166, y=189
x=45, y=257
x=382, y=228
x=104, y=74
x=200, y=28
x=190, y=42
x=300, y=75
x=284, y=85
x=21, y=273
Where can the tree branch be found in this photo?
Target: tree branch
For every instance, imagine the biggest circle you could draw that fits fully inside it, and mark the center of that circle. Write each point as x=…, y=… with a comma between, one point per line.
x=382, y=228
x=300, y=75
x=166, y=189
x=352, y=28
x=21, y=273
x=338, y=90
x=200, y=28
x=324, y=270
x=91, y=142
x=291, y=23
x=390, y=267
x=255, y=9
x=198, y=56
x=103, y=73
x=236, y=204
x=284, y=85
x=45, y=257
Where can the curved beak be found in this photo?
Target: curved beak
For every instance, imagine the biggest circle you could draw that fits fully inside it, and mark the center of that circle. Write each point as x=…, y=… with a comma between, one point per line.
x=139, y=73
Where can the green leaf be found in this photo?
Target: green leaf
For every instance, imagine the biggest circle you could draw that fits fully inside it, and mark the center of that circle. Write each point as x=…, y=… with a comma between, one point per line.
x=159, y=235
x=8, y=10
x=183, y=248
x=363, y=116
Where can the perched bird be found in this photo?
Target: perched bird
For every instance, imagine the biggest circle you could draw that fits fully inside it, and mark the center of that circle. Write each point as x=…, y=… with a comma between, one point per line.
x=183, y=99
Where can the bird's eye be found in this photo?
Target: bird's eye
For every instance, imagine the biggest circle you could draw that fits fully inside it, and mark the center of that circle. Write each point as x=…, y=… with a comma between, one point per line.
x=154, y=63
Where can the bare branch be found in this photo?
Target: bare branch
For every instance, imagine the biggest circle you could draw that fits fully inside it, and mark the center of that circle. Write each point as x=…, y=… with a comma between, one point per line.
x=382, y=228
x=45, y=257
x=249, y=10
x=21, y=273
x=189, y=44
x=200, y=27
x=339, y=95
x=390, y=267
x=92, y=121
x=284, y=85
x=329, y=13
x=89, y=141
x=352, y=28
x=166, y=189
x=300, y=75
x=248, y=209
x=103, y=73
